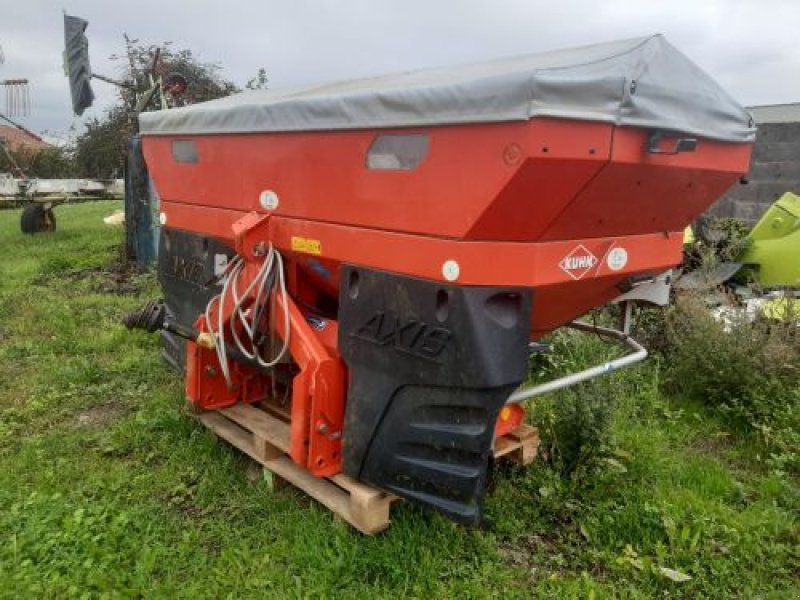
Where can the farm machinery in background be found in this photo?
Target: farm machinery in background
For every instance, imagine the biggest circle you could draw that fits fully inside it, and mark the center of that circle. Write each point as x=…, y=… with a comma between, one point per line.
x=17, y=94
x=372, y=262
x=758, y=273
x=17, y=103
x=156, y=92
x=40, y=196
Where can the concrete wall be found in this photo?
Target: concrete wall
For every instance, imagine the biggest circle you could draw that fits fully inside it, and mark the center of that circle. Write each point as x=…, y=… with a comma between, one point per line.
x=775, y=167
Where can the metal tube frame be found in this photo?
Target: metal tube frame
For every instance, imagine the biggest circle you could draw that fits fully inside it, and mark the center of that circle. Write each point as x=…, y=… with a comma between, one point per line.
x=638, y=355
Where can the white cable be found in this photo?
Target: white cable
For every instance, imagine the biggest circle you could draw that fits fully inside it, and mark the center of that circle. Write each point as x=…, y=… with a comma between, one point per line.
x=286, y=318
x=219, y=335
x=273, y=268
x=259, y=280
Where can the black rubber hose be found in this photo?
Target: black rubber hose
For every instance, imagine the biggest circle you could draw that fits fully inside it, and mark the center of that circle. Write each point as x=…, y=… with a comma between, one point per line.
x=152, y=317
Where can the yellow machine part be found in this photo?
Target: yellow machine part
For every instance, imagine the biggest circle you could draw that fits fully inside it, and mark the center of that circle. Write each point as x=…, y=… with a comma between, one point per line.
x=688, y=236
x=773, y=252
x=782, y=309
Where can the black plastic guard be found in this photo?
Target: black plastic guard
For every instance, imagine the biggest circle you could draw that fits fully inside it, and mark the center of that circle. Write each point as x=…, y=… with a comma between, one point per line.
x=187, y=270
x=431, y=365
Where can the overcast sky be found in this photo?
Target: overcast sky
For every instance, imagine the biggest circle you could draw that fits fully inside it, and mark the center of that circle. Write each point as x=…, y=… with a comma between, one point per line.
x=750, y=46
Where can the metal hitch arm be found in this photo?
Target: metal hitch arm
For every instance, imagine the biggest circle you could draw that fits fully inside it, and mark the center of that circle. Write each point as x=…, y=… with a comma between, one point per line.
x=638, y=355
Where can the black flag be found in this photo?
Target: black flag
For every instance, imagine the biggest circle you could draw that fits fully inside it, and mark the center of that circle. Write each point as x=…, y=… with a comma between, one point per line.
x=76, y=63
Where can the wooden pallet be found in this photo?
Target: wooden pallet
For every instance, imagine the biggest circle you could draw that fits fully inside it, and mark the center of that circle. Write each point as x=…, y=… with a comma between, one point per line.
x=520, y=446
x=263, y=434
x=265, y=438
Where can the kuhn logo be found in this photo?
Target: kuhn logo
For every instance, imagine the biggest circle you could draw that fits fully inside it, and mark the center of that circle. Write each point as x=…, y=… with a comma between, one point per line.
x=578, y=263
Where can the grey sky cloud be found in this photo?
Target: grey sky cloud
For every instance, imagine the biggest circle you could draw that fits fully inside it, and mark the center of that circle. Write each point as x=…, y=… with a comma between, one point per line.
x=749, y=46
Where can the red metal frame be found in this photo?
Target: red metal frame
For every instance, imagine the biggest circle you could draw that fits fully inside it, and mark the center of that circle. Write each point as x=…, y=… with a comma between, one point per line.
x=318, y=390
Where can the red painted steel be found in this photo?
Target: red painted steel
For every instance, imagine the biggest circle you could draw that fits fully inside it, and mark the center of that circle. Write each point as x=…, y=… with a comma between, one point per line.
x=570, y=209
x=317, y=391
x=466, y=188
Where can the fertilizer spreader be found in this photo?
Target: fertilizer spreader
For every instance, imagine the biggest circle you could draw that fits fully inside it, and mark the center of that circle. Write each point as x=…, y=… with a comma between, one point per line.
x=377, y=256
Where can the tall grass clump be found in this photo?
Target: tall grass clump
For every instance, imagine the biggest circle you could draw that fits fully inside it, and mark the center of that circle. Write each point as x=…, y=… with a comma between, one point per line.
x=576, y=423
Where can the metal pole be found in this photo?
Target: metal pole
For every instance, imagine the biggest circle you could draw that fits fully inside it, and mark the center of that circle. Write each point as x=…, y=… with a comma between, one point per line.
x=116, y=82
x=639, y=354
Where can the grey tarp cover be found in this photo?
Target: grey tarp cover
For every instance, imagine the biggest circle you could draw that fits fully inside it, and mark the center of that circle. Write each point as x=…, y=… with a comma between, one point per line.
x=76, y=61
x=642, y=82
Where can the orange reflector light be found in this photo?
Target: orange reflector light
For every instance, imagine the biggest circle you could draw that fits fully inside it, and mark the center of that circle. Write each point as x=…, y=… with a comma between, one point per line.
x=510, y=417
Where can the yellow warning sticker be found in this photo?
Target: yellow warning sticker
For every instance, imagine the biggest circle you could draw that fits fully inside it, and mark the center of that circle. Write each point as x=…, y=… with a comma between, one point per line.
x=301, y=244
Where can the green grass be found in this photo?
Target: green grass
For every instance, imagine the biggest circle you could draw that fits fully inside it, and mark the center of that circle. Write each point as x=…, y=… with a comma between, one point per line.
x=109, y=489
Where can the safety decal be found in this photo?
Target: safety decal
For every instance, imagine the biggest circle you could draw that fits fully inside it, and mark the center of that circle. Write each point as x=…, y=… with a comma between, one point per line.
x=579, y=262
x=306, y=245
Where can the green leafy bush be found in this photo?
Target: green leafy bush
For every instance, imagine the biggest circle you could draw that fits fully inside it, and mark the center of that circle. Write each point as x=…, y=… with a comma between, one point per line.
x=717, y=239
x=747, y=371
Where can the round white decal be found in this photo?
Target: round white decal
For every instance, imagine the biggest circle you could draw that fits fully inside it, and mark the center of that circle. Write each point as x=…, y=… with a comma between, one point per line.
x=617, y=259
x=451, y=270
x=268, y=200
